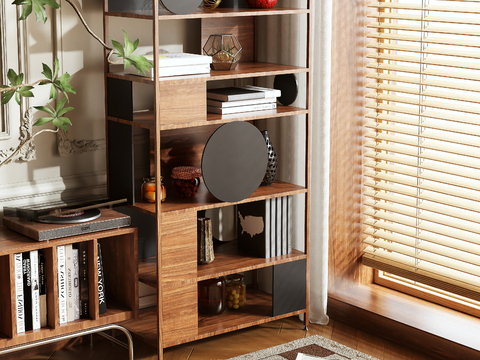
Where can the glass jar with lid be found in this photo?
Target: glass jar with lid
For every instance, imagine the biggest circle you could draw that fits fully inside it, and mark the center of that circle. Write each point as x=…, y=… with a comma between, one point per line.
x=211, y=296
x=149, y=188
x=185, y=180
x=236, y=291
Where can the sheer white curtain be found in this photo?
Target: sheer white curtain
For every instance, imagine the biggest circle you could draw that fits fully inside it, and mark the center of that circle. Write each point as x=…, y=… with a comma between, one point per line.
x=283, y=39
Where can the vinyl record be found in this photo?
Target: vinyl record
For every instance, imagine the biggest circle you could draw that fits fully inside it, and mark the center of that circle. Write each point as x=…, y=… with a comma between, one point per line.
x=80, y=217
x=181, y=7
x=234, y=161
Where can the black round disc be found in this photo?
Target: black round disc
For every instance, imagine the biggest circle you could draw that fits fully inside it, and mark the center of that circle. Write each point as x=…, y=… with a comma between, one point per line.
x=181, y=7
x=288, y=84
x=234, y=161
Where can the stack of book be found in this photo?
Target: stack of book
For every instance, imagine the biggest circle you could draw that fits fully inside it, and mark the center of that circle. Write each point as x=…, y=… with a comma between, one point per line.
x=176, y=64
x=239, y=99
x=264, y=228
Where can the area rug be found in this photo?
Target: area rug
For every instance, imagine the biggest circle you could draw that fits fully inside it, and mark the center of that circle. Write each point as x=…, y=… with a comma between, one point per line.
x=315, y=345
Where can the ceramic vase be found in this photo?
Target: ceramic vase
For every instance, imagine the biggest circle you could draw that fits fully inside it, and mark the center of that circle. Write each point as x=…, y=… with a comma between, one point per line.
x=271, y=172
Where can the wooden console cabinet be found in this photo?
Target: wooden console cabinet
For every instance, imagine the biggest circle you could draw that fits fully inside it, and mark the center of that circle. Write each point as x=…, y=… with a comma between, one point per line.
x=178, y=128
x=120, y=263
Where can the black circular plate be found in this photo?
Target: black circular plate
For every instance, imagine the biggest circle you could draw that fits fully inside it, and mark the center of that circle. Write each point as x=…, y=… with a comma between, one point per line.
x=181, y=7
x=288, y=84
x=234, y=161
x=88, y=215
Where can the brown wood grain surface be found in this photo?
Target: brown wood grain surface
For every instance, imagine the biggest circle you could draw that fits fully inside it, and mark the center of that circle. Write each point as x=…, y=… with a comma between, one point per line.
x=217, y=13
x=243, y=28
x=182, y=103
x=204, y=200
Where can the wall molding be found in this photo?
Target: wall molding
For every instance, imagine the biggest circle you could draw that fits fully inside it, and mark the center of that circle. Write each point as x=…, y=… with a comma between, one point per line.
x=28, y=152
x=86, y=186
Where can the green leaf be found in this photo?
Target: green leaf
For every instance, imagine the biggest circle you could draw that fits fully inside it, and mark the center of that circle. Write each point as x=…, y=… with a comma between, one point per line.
x=25, y=91
x=60, y=105
x=56, y=67
x=7, y=96
x=140, y=62
x=135, y=44
x=38, y=7
x=64, y=111
x=45, y=109
x=62, y=122
x=17, y=98
x=12, y=76
x=43, y=121
x=128, y=44
x=47, y=72
x=53, y=92
x=119, y=48
x=126, y=63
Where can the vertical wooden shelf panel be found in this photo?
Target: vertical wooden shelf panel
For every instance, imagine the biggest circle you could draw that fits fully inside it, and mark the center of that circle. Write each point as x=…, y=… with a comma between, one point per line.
x=93, y=280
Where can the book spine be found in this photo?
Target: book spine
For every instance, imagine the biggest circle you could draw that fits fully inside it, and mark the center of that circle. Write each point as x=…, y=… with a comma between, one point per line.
x=62, y=286
x=284, y=225
x=228, y=104
x=19, y=299
x=267, y=228
x=27, y=290
x=83, y=279
x=289, y=224
x=273, y=228
x=76, y=288
x=35, y=290
x=69, y=281
x=279, y=226
x=102, y=301
x=43, y=289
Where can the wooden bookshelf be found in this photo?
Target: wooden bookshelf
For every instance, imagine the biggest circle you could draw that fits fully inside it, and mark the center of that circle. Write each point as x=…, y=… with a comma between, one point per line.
x=178, y=128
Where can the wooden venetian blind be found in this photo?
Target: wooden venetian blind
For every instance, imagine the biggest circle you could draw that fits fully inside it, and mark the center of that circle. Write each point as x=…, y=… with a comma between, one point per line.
x=423, y=143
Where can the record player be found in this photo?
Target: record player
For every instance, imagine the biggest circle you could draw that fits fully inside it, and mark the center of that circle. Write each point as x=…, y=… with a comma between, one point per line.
x=49, y=223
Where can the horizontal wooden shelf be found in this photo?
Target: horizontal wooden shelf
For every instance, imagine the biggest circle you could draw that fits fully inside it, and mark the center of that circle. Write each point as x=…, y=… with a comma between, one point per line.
x=243, y=70
x=204, y=200
x=257, y=310
x=228, y=260
x=146, y=119
x=113, y=315
x=12, y=242
x=200, y=14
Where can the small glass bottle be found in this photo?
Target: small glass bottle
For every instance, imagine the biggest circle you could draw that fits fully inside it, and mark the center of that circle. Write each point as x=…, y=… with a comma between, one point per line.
x=211, y=296
x=149, y=187
x=236, y=291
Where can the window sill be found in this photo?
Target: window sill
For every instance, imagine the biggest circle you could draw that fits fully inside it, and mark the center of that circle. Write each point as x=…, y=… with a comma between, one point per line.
x=421, y=325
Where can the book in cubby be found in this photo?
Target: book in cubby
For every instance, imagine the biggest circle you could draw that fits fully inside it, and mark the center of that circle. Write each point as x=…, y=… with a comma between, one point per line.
x=238, y=99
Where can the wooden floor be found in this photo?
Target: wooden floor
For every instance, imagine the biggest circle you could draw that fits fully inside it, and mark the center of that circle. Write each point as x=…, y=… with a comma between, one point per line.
x=242, y=342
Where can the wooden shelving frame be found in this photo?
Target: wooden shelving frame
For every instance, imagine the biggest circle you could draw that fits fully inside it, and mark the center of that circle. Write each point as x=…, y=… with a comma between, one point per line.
x=174, y=271
x=119, y=248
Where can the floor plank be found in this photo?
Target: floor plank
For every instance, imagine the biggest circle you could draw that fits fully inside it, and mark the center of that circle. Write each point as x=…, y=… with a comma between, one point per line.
x=241, y=342
x=370, y=345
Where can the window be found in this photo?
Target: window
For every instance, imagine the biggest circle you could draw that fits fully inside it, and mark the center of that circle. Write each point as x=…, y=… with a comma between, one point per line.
x=422, y=167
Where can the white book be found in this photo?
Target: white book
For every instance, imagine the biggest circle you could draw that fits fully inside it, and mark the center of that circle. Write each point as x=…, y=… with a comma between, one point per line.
x=234, y=94
x=240, y=109
x=228, y=104
x=279, y=227
x=273, y=228
x=284, y=225
x=76, y=287
x=179, y=59
x=62, y=285
x=267, y=228
x=172, y=70
x=35, y=289
x=19, y=301
x=69, y=279
x=268, y=91
x=289, y=223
